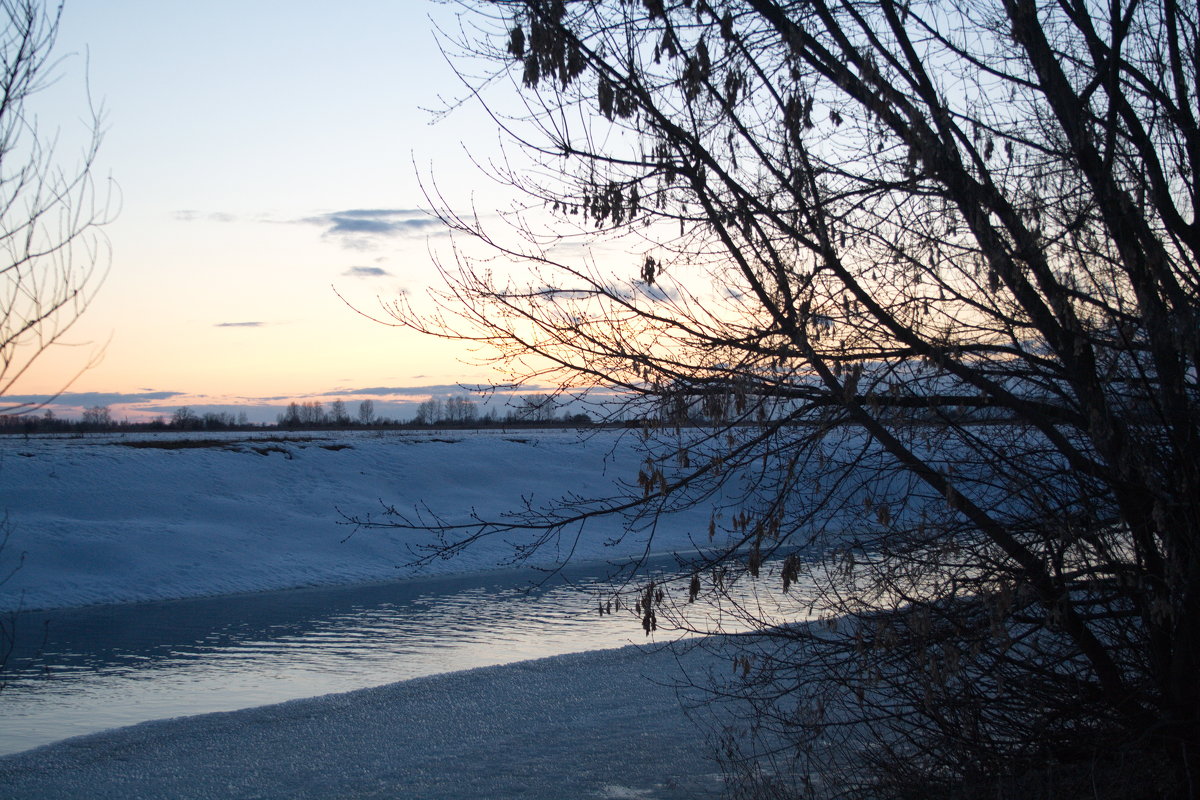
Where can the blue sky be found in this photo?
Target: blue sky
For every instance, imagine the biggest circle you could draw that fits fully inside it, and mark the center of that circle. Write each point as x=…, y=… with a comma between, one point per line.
x=263, y=154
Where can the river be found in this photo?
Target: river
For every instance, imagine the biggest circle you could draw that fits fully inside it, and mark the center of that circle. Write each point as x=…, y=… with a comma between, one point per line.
x=77, y=671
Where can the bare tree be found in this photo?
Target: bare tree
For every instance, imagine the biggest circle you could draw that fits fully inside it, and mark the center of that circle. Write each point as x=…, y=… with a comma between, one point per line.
x=911, y=284
x=366, y=412
x=338, y=413
x=52, y=256
x=97, y=418
x=313, y=414
x=535, y=408
x=430, y=412
x=185, y=418
x=291, y=418
x=461, y=410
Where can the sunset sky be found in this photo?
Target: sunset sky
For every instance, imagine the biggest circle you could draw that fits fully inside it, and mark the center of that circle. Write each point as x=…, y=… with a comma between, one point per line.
x=263, y=154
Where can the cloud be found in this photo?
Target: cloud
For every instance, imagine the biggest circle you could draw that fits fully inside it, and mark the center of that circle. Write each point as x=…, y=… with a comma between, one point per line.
x=656, y=292
x=554, y=294
x=404, y=391
x=191, y=215
x=359, y=228
x=239, y=324
x=83, y=399
x=434, y=389
x=367, y=272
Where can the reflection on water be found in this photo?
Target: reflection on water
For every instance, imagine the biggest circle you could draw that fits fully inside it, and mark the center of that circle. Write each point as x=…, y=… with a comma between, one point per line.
x=84, y=670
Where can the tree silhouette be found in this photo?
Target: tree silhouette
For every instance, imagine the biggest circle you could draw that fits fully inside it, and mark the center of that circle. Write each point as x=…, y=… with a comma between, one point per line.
x=366, y=412
x=52, y=257
x=338, y=413
x=185, y=418
x=910, y=284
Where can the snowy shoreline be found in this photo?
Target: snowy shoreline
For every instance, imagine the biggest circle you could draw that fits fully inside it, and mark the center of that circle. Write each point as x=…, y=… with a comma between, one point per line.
x=601, y=724
x=95, y=520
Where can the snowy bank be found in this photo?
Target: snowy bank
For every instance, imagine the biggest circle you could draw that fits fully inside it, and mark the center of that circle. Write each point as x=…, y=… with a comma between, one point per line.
x=111, y=518
x=604, y=724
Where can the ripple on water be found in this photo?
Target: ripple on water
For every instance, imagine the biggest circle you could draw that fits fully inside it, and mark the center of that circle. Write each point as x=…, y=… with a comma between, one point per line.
x=95, y=668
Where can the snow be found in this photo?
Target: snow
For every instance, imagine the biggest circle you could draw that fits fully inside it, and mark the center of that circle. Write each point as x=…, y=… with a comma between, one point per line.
x=95, y=519
x=105, y=519
x=604, y=724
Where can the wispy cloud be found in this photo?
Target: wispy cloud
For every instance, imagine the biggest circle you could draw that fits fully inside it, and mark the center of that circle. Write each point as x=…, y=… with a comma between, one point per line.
x=239, y=324
x=656, y=292
x=404, y=391
x=367, y=272
x=353, y=228
x=82, y=399
x=439, y=390
x=360, y=228
x=191, y=215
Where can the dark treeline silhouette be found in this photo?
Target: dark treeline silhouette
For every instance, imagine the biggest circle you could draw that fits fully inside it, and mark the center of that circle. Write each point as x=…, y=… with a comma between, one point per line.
x=458, y=411
x=454, y=412
x=97, y=419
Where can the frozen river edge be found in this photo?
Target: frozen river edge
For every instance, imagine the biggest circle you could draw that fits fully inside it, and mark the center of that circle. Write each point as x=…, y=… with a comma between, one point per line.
x=96, y=520
x=129, y=519
x=603, y=724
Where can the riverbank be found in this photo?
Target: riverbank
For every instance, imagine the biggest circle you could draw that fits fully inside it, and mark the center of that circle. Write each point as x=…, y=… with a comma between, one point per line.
x=78, y=671
x=135, y=518
x=118, y=519
x=603, y=724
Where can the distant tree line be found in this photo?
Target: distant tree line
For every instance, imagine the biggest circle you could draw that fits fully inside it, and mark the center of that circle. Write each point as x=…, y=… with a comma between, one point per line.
x=186, y=419
x=313, y=414
x=99, y=418
x=455, y=412
x=529, y=411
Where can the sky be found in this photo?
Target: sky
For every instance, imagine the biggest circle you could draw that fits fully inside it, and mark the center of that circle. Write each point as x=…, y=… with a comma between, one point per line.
x=264, y=158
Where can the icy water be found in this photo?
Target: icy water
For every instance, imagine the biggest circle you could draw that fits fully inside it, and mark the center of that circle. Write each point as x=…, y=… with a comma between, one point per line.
x=84, y=670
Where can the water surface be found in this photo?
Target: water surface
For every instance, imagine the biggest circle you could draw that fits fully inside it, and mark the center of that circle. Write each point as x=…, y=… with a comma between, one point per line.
x=77, y=671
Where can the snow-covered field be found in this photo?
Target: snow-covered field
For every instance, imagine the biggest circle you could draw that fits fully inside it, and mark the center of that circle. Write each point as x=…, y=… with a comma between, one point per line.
x=104, y=519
